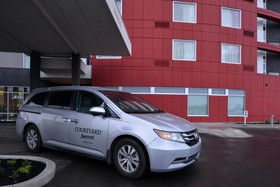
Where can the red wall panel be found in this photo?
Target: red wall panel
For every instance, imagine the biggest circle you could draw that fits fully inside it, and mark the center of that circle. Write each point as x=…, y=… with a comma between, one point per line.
x=167, y=78
x=138, y=7
x=147, y=48
x=137, y=62
x=137, y=32
x=206, y=16
x=167, y=49
x=167, y=16
x=158, y=9
x=157, y=48
x=151, y=44
x=148, y=10
x=137, y=47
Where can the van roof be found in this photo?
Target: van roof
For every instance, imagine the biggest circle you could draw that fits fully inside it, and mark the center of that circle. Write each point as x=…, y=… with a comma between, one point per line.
x=56, y=88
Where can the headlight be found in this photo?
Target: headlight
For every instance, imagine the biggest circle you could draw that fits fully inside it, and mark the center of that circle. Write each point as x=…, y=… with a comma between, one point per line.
x=172, y=136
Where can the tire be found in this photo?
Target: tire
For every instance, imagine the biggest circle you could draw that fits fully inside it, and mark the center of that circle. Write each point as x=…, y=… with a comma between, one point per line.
x=33, y=140
x=130, y=159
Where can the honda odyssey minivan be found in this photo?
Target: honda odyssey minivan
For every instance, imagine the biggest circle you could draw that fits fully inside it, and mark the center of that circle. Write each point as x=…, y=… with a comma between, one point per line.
x=114, y=126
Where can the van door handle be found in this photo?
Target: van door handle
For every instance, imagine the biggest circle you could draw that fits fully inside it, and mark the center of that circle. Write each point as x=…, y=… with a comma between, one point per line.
x=66, y=120
x=74, y=120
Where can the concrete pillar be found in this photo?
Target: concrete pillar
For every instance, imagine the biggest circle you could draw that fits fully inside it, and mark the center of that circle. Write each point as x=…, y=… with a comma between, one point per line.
x=35, y=67
x=76, y=69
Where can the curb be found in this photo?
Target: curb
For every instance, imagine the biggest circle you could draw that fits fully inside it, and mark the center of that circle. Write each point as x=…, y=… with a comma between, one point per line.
x=40, y=180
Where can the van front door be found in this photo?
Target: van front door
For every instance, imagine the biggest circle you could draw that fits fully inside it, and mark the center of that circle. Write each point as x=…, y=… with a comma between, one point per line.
x=88, y=133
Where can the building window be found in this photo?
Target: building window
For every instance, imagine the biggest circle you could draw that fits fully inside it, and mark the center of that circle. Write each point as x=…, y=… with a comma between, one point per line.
x=11, y=98
x=136, y=89
x=184, y=50
x=261, y=63
x=219, y=92
x=108, y=57
x=236, y=102
x=184, y=12
x=231, y=17
x=26, y=61
x=119, y=5
x=198, y=102
x=169, y=90
x=231, y=54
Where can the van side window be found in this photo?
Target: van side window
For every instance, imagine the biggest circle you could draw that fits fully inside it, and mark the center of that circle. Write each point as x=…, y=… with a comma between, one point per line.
x=60, y=99
x=37, y=100
x=87, y=100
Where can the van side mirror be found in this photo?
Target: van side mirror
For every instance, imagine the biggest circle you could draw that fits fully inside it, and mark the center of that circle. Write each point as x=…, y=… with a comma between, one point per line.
x=97, y=111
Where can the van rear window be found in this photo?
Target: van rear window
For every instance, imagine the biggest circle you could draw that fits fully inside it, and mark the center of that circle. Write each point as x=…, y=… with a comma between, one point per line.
x=60, y=99
x=37, y=100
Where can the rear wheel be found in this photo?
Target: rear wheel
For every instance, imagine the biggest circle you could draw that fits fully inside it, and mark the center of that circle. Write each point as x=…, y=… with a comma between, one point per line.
x=130, y=158
x=33, y=139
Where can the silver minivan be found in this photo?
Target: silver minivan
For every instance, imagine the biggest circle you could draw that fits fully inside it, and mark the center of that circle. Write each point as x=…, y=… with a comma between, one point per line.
x=114, y=126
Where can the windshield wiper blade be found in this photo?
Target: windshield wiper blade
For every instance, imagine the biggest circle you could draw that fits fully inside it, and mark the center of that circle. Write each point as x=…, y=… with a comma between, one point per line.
x=144, y=112
x=158, y=111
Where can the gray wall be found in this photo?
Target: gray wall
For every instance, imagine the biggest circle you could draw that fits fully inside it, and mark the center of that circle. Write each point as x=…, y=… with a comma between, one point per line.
x=11, y=60
x=273, y=36
x=14, y=77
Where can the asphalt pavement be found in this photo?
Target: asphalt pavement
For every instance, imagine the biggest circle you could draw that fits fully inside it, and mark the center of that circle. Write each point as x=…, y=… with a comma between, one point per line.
x=223, y=162
x=232, y=130
x=232, y=155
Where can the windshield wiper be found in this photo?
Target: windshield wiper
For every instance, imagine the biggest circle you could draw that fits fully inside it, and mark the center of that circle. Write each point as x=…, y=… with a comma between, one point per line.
x=158, y=111
x=143, y=112
x=136, y=112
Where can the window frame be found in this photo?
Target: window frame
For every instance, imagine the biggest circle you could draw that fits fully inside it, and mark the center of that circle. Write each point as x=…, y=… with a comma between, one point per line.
x=231, y=9
x=188, y=3
x=180, y=40
x=240, y=53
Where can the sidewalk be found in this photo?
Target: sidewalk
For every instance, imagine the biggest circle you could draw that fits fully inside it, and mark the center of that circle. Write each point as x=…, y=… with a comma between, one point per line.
x=231, y=130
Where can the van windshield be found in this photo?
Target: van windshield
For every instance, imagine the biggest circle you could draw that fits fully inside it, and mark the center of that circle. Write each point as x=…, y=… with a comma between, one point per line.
x=130, y=103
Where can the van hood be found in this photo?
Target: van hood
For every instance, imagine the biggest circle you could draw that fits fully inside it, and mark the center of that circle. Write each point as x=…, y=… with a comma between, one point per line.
x=167, y=122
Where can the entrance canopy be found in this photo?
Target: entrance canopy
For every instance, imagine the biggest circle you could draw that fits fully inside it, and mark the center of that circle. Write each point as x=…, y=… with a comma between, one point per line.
x=63, y=27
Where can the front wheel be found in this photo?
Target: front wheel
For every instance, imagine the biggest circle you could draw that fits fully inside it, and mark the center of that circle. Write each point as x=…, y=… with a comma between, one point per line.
x=33, y=139
x=130, y=159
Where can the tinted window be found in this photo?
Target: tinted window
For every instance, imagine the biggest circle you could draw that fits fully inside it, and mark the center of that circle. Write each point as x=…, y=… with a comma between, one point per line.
x=87, y=100
x=61, y=99
x=37, y=99
x=130, y=103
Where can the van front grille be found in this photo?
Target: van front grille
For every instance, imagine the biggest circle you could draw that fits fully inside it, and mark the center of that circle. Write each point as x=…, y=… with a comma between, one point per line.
x=191, y=137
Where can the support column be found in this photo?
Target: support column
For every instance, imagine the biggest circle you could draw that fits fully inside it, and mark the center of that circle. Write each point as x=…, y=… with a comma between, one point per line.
x=76, y=64
x=35, y=67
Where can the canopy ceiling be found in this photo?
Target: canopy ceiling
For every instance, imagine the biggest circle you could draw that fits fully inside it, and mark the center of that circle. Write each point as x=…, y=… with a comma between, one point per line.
x=63, y=27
